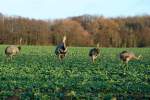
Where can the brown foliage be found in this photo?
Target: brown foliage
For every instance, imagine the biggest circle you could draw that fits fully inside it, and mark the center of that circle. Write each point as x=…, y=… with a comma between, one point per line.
x=83, y=30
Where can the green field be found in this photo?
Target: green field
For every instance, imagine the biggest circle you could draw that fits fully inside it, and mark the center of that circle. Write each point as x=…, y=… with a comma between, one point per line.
x=37, y=74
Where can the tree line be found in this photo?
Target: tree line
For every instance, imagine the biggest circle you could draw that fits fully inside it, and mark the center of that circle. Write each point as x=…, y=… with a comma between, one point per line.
x=85, y=30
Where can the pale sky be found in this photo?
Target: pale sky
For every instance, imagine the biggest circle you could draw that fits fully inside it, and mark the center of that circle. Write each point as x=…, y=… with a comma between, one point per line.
x=52, y=9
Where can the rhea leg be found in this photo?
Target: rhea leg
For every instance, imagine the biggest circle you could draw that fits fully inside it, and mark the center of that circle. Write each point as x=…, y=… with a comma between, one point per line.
x=11, y=57
x=125, y=65
x=61, y=56
x=93, y=58
x=8, y=58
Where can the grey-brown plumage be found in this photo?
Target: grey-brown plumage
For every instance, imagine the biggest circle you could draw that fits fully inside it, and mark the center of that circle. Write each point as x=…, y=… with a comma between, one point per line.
x=94, y=52
x=126, y=56
x=61, y=49
x=13, y=50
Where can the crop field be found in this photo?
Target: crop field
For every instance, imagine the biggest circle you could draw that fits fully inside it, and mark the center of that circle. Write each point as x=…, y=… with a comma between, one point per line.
x=37, y=74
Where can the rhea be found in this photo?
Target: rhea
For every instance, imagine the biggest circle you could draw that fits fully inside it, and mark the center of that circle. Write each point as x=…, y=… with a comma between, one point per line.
x=94, y=52
x=61, y=49
x=13, y=50
x=126, y=56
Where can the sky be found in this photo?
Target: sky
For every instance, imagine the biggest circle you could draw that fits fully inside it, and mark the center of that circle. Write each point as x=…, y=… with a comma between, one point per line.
x=55, y=9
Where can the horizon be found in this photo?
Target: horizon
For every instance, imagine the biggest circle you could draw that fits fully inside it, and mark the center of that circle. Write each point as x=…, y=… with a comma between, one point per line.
x=54, y=9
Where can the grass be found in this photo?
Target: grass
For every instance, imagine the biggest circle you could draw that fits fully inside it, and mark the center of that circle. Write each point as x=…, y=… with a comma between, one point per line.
x=36, y=73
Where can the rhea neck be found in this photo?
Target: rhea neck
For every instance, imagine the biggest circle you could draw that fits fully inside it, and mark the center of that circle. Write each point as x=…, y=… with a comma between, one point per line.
x=19, y=47
x=139, y=57
x=64, y=41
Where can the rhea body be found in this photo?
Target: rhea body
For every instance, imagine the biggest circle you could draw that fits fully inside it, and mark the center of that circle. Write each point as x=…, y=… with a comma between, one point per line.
x=126, y=56
x=94, y=52
x=61, y=49
x=13, y=50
